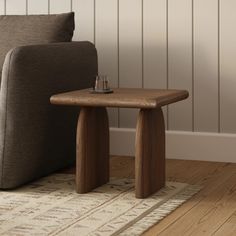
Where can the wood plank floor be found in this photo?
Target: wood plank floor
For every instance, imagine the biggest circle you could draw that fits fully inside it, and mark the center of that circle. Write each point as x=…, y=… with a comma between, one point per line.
x=212, y=211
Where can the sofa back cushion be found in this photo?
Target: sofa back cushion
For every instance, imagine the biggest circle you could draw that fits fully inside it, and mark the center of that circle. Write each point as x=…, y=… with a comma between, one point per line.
x=20, y=30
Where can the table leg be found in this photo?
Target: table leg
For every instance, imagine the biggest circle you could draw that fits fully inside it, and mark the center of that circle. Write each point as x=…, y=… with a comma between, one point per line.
x=149, y=152
x=92, y=154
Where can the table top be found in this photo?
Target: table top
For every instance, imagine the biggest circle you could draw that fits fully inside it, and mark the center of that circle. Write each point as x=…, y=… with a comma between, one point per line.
x=122, y=97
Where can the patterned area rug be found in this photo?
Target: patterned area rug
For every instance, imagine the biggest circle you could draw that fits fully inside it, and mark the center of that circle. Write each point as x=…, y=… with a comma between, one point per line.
x=50, y=206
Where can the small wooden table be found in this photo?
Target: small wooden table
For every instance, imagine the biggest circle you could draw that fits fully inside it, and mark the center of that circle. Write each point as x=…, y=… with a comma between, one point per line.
x=92, y=161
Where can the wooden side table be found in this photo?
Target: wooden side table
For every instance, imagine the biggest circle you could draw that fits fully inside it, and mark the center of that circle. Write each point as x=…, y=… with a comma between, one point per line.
x=92, y=161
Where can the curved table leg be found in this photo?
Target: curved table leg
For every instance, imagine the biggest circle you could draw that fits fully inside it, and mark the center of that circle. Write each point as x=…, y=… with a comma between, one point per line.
x=92, y=152
x=150, y=152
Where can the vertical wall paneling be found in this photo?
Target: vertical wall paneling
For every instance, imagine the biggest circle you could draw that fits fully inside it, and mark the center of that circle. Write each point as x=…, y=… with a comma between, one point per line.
x=2, y=7
x=107, y=45
x=206, y=65
x=84, y=19
x=180, y=61
x=228, y=66
x=130, y=52
x=15, y=7
x=184, y=44
x=38, y=7
x=154, y=44
x=59, y=6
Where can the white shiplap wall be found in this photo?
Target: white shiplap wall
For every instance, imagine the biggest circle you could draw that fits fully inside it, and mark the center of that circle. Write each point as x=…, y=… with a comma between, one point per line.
x=188, y=44
x=180, y=62
x=107, y=43
x=2, y=7
x=205, y=65
x=227, y=66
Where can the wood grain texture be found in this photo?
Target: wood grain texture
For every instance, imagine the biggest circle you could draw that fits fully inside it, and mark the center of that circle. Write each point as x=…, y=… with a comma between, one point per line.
x=212, y=176
x=92, y=163
x=228, y=228
x=93, y=135
x=207, y=174
x=204, y=218
x=133, y=98
x=202, y=209
x=149, y=152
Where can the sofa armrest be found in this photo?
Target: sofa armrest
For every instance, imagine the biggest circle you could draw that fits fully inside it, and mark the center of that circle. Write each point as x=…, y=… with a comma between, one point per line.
x=35, y=136
x=50, y=68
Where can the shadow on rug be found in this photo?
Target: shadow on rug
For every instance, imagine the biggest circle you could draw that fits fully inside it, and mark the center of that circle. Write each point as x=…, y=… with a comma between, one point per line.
x=51, y=206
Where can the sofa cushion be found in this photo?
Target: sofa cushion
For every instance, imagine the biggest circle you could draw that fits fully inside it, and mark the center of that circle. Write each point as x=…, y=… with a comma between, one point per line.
x=19, y=30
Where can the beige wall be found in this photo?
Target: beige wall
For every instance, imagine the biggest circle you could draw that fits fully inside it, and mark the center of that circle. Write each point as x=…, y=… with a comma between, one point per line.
x=188, y=44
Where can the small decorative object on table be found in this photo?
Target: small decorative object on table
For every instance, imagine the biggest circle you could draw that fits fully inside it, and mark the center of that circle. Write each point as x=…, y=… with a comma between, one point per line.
x=101, y=85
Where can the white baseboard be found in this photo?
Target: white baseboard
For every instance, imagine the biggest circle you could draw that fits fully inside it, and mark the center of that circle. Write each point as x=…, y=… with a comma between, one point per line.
x=181, y=145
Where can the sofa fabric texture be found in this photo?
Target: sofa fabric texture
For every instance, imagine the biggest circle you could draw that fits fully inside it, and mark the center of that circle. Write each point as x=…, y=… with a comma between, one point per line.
x=19, y=30
x=37, y=138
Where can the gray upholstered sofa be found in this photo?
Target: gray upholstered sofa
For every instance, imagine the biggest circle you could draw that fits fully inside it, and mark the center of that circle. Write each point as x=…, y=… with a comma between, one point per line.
x=37, y=138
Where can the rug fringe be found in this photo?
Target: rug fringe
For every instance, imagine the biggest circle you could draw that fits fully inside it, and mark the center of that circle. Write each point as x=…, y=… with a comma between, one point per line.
x=161, y=212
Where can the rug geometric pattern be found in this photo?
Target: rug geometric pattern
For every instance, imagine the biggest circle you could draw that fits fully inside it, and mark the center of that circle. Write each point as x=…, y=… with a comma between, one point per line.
x=51, y=206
